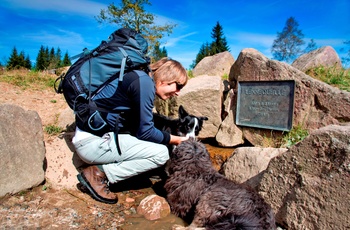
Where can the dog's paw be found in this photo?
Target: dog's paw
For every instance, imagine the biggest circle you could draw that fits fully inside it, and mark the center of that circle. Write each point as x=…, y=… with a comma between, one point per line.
x=178, y=227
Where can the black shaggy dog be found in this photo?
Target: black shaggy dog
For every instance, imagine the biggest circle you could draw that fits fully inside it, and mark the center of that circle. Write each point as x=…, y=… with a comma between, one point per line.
x=185, y=125
x=197, y=192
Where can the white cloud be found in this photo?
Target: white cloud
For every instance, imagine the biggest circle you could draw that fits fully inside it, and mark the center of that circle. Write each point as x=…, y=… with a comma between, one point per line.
x=162, y=20
x=171, y=42
x=329, y=42
x=61, y=37
x=81, y=7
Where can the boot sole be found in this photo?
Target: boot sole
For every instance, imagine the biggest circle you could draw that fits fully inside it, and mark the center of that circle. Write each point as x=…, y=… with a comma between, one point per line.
x=97, y=197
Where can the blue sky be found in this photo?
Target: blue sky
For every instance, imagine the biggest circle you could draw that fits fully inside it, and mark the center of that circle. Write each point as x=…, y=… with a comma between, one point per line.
x=71, y=26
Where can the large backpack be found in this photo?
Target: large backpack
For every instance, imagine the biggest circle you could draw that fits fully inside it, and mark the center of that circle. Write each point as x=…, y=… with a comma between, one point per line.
x=96, y=74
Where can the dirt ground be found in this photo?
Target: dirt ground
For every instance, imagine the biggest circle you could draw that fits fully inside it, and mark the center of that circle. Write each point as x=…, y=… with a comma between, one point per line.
x=45, y=207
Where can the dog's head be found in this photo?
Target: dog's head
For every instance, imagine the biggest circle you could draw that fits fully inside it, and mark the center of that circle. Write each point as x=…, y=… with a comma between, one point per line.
x=189, y=125
x=190, y=155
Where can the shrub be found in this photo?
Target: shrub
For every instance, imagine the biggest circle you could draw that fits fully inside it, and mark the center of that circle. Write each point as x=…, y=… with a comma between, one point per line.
x=297, y=134
x=28, y=79
x=332, y=75
x=53, y=129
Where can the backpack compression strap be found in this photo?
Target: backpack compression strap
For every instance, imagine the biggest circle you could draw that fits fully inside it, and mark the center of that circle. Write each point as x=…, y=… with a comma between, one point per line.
x=122, y=67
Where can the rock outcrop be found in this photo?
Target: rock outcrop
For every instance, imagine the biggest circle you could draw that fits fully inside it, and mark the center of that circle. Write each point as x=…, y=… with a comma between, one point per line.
x=316, y=104
x=325, y=56
x=308, y=186
x=22, y=149
x=247, y=164
x=202, y=96
x=216, y=65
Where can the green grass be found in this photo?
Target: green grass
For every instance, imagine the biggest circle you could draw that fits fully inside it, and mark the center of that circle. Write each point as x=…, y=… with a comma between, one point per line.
x=297, y=134
x=28, y=79
x=333, y=76
x=190, y=74
x=53, y=129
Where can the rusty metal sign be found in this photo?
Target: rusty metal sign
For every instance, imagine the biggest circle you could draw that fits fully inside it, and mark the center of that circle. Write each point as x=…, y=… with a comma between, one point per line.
x=266, y=104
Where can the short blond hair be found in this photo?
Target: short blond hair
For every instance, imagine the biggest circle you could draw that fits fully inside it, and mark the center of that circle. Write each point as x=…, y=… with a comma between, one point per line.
x=169, y=70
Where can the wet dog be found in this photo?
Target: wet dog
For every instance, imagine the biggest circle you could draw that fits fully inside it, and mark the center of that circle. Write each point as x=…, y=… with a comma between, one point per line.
x=185, y=125
x=201, y=196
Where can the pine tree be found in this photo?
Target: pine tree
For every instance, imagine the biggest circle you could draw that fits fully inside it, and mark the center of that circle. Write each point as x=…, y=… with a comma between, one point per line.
x=46, y=58
x=287, y=45
x=58, y=58
x=13, y=60
x=159, y=53
x=204, y=51
x=219, y=44
x=40, y=60
x=66, y=61
x=17, y=61
x=52, y=59
x=21, y=60
x=132, y=14
x=28, y=63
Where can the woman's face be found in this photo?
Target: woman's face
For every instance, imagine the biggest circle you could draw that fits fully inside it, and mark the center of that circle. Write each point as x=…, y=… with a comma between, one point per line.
x=165, y=90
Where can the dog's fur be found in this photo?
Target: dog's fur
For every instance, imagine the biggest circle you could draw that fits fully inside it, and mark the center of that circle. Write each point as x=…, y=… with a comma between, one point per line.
x=197, y=192
x=183, y=125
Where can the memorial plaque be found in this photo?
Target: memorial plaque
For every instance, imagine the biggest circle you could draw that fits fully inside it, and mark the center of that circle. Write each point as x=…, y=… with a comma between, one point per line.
x=266, y=104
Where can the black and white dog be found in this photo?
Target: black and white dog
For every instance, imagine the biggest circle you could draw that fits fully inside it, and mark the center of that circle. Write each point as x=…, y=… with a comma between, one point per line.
x=186, y=125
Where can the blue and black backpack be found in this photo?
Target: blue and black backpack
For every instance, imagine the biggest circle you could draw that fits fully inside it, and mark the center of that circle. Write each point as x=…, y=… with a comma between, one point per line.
x=86, y=81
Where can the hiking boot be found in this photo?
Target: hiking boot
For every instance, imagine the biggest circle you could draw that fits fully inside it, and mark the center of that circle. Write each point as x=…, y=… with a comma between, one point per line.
x=96, y=182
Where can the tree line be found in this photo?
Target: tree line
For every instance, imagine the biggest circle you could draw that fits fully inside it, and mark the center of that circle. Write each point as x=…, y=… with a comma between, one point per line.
x=46, y=59
x=131, y=13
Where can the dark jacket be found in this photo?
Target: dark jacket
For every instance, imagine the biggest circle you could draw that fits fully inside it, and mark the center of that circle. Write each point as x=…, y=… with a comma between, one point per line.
x=136, y=94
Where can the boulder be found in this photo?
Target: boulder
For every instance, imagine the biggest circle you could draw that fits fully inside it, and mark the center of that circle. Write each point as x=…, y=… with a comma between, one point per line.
x=62, y=162
x=216, y=65
x=308, y=186
x=325, y=56
x=22, y=149
x=247, y=164
x=63, y=168
x=66, y=119
x=202, y=96
x=229, y=134
x=316, y=104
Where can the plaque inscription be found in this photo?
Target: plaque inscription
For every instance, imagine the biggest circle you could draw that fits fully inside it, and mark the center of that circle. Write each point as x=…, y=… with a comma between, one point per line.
x=266, y=104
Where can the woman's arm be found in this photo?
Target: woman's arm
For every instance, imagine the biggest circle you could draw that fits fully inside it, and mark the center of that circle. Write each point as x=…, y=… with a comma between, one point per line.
x=175, y=140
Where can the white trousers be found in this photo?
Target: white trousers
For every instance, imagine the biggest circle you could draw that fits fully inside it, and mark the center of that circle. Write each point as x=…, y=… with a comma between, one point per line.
x=137, y=156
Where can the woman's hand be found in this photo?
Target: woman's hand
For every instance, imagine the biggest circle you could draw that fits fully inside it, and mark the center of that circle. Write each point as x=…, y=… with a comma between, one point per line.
x=175, y=140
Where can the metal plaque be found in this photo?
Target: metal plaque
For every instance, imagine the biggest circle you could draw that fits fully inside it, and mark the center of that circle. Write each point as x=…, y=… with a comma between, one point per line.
x=266, y=104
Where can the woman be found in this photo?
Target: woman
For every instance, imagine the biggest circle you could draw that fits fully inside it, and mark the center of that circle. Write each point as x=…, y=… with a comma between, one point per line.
x=142, y=146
